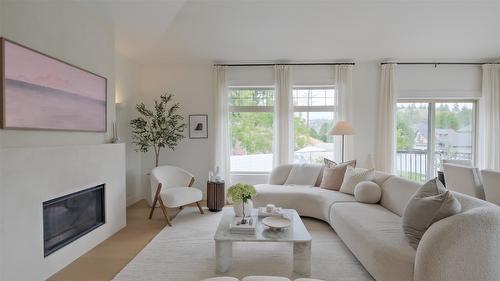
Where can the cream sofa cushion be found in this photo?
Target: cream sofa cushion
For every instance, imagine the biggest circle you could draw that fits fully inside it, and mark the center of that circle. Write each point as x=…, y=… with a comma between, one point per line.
x=303, y=174
x=374, y=235
x=367, y=192
x=431, y=203
x=280, y=174
x=354, y=176
x=396, y=192
x=308, y=201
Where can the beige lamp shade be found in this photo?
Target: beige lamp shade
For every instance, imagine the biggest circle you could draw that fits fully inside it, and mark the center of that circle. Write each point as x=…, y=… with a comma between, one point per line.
x=342, y=128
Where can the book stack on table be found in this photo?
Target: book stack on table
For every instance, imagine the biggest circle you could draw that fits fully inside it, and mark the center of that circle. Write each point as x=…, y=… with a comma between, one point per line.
x=243, y=227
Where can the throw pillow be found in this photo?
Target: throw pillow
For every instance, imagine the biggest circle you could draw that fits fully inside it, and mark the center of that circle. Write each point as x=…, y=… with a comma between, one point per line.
x=303, y=174
x=330, y=164
x=353, y=176
x=431, y=203
x=367, y=192
x=333, y=177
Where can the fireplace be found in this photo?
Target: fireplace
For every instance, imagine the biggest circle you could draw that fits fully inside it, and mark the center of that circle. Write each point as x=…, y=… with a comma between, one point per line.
x=71, y=216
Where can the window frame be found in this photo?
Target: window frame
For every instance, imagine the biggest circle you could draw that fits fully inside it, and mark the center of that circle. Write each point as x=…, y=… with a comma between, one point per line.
x=431, y=167
x=314, y=108
x=244, y=108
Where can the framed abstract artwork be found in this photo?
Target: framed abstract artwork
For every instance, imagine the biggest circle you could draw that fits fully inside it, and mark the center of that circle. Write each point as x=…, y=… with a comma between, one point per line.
x=198, y=126
x=39, y=92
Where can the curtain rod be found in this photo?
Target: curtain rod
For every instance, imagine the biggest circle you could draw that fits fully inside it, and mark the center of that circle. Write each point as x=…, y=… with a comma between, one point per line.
x=437, y=63
x=273, y=64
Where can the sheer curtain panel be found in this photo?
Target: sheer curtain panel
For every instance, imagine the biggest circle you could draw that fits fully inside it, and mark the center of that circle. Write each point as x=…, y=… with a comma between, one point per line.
x=343, y=110
x=222, y=137
x=489, y=119
x=283, y=143
x=386, y=138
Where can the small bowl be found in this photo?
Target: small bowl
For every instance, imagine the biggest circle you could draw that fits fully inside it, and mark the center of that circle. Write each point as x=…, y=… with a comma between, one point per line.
x=276, y=223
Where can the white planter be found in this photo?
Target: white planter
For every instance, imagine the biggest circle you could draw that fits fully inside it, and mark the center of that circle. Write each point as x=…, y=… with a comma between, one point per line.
x=238, y=208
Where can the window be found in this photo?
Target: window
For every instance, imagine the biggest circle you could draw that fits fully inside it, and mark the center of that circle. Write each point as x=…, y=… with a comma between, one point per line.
x=312, y=119
x=251, y=116
x=428, y=132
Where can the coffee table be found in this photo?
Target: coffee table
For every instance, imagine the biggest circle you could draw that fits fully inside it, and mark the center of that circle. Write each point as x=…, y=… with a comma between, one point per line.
x=296, y=234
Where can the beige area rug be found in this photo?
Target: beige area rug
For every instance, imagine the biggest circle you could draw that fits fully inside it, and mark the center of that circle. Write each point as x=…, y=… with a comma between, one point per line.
x=185, y=252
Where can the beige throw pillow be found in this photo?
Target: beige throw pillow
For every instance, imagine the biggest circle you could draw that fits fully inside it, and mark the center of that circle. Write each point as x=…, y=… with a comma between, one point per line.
x=329, y=163
x=333, y=175
x=431, y=203
x=354, y=176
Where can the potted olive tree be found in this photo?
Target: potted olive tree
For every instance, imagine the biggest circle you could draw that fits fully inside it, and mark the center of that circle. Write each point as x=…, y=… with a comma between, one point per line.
x=158, y=127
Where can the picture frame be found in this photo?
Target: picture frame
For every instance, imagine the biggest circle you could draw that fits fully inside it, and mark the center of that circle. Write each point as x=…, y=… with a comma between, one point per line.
x=198, y=126
x=41, y=92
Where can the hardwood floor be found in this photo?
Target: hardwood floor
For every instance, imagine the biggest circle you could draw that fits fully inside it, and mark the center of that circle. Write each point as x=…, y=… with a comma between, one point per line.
x=107, y=259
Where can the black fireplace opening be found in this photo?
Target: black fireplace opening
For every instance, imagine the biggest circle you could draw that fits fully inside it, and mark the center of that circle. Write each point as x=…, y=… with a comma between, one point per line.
x=71, y=216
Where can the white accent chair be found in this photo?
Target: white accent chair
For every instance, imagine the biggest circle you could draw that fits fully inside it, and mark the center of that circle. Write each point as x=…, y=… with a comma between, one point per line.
x=491, y=184
x=174, y=189
x=463, y=179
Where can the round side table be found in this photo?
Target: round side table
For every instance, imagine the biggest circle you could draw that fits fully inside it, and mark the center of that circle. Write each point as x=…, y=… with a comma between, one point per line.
x=216, y=197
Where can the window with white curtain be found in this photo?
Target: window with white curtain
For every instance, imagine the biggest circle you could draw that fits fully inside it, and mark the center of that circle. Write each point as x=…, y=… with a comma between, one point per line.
x=251, y=118
x=429, y=131
x=314, y=112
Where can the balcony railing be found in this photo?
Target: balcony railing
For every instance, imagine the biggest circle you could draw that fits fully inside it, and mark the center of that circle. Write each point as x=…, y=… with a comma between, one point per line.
x=412, y=164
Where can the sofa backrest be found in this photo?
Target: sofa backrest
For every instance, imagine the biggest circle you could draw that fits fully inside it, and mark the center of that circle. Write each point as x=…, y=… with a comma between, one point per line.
x=396, y=192
x=280, y=174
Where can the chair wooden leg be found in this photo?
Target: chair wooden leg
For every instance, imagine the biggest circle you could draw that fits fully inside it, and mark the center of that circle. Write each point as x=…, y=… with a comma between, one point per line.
x=199, y=207
x=157, y=195
x=164, y=209
x=181, y=207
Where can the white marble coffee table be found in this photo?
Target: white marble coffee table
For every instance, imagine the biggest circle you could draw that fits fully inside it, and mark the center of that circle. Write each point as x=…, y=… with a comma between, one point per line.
x=296, y=234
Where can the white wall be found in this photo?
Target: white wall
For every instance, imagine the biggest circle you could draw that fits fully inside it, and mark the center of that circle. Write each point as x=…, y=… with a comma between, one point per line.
x=68, y=32
x=30, y=176
x=127, y=81
x=193, y=89
x=33, y=166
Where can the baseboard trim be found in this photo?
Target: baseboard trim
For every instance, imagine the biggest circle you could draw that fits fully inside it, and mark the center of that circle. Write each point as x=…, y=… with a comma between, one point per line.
x=134, y=199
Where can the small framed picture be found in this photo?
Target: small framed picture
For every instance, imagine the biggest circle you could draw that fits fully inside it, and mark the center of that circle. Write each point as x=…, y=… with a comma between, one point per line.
x=198, y=126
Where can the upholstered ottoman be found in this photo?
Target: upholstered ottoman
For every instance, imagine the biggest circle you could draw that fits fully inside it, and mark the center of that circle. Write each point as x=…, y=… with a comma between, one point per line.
x=221, y=279
x=265, y=278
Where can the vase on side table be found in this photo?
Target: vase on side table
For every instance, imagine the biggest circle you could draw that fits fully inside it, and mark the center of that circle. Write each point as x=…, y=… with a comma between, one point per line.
x=243, y=209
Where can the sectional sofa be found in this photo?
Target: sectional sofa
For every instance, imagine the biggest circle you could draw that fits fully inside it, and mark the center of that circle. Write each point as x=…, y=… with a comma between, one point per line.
x=464, y=247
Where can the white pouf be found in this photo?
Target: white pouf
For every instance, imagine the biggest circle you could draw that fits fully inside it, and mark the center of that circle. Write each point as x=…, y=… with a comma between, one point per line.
x=265, y=278
x=367, y=192
x=221, y=279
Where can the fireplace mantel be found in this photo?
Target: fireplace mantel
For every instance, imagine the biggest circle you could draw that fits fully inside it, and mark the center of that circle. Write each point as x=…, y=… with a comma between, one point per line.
x=28, y=177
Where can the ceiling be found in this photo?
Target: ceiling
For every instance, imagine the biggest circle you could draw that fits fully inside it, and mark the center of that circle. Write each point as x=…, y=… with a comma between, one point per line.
x=200, y=31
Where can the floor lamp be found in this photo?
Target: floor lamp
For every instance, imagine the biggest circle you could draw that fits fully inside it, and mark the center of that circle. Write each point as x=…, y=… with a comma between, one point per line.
x=342, y=128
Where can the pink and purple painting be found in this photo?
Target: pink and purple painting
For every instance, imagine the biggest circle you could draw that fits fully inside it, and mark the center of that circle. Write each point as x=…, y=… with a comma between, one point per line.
x=40, y=92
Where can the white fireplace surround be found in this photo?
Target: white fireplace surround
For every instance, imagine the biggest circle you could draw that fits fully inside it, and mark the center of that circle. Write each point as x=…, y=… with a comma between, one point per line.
x=29, y=176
